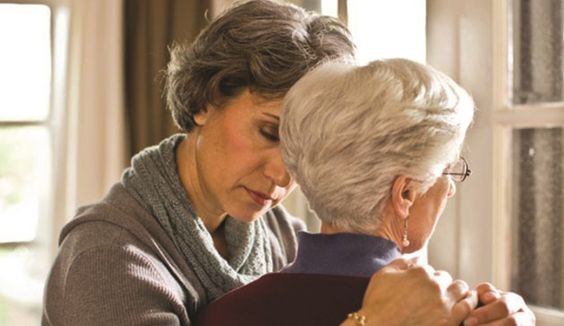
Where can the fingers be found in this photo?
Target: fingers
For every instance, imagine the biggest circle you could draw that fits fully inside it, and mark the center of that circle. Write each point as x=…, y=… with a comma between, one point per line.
x=490, y=312
x=458, y=290
x=487, y=293
x=519, y=319
x=502, y=311
x=463, y=301
x=464, y=307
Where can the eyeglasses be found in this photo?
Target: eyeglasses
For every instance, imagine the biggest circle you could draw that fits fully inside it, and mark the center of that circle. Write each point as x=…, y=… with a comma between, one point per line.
x=458, y=171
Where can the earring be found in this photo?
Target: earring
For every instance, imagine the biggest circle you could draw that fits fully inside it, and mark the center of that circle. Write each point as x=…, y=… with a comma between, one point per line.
x=404, y=240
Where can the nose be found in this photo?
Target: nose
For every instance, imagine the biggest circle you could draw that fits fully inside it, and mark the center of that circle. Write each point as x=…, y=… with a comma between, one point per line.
x=452, y=188
x=276, y=171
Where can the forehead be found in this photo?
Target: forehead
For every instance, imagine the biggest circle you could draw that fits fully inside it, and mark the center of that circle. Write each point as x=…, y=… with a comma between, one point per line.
x=256, y=103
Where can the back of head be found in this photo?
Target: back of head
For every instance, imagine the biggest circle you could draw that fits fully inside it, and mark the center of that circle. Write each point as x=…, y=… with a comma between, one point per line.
x=347, y=132
x=261, y=45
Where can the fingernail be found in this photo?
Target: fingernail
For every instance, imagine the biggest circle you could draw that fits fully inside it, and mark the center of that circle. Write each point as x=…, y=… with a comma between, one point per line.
x=471, y=321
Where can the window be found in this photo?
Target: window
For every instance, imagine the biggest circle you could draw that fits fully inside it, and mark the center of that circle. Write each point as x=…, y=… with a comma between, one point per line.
x=385, y=29
x=532, y=123
x=505, y=225
x=24, y=146
x=27, y=142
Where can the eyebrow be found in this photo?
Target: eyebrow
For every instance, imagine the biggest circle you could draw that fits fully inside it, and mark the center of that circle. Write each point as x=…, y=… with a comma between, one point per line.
x=274, y=116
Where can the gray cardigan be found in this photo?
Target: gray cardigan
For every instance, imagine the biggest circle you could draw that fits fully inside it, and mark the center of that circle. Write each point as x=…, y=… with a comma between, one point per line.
x=117, y=266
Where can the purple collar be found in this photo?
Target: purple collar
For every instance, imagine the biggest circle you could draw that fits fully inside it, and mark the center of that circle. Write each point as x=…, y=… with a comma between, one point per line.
x=342, y=254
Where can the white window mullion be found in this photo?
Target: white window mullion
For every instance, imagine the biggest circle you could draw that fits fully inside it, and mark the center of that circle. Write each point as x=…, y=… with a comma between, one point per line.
x=531, y=116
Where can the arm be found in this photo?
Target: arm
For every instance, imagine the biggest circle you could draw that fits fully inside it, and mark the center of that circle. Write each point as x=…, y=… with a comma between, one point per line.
x=499, y=308
x=403, y=295
x=112, y=285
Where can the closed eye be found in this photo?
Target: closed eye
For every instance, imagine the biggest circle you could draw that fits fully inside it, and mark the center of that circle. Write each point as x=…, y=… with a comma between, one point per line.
x=270, y=134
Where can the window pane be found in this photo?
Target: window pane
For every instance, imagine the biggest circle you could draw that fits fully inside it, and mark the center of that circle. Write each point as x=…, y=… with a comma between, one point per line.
x=24, y=168
x=330, y=7
x=388, y=29
x=538, y=216
x=25, y=62
x=537, y=51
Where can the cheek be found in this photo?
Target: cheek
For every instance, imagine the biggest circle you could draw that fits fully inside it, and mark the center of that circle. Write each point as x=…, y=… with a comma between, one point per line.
x=242, y=146
x=240, y=135
x=422, y=229
x=222, y=158
x=438, y=207
x=440, y=193
x=430, y=209
x=235, y=152
x=234, y=139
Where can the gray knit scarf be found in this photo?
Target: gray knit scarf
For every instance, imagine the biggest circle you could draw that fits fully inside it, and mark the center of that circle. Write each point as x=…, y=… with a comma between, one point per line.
x=153, y=180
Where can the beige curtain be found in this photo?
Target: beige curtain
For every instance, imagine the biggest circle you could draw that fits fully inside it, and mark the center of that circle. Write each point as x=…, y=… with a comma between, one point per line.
x=94, y=119
x=151, y=26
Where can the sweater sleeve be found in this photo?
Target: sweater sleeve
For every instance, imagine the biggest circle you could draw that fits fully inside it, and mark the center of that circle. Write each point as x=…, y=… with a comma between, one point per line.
x=112, y=285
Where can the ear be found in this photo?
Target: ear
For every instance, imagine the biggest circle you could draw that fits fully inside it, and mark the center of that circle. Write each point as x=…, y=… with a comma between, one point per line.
x=403, y=196
x=201, y=117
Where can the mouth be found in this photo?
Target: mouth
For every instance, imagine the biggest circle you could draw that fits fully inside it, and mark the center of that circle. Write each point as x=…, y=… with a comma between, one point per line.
x=260, y=198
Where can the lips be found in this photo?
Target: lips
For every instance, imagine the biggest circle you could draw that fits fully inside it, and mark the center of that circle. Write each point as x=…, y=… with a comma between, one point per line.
x=259, y=197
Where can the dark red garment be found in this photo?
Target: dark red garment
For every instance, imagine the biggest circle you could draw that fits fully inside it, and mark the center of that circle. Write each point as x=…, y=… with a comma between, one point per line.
x=289, y=300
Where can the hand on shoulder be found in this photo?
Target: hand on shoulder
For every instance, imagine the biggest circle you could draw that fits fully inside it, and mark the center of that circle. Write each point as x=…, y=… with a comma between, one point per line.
x=404, y=293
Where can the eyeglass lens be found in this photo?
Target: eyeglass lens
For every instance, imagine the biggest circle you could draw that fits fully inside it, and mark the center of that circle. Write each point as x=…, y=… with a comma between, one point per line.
x=459, y=170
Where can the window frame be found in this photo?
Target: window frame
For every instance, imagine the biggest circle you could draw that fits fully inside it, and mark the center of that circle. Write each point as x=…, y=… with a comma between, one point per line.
x=54, y=197
x=7, y=124
x=54, y=122
x=468, y=41
x=506, y=117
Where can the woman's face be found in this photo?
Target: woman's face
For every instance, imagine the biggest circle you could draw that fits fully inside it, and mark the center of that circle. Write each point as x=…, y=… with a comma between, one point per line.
x=239, y=164
x=426, y=211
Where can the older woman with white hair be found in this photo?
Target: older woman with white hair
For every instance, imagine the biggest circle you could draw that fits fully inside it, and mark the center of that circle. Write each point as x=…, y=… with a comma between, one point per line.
x=376, y=151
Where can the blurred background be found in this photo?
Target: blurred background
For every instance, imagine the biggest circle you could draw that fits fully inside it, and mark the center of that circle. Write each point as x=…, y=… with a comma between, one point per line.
x=80, y=93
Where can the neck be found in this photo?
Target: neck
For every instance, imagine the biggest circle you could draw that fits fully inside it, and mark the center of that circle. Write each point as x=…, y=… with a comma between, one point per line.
x=188, y=170
x=328, y=229
x=331, y=229
x=391, y=227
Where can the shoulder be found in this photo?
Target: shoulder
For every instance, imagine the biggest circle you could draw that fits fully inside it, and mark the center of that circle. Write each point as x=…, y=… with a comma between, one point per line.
x=110, y=270
x=114, y=283
x=283, y=229
x=280, y=221
x=313, y=299
x=108, y=226
x=118, y=222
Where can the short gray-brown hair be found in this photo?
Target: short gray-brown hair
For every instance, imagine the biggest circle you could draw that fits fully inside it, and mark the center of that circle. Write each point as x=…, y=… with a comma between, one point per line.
x=260, y=45
x=348, y=131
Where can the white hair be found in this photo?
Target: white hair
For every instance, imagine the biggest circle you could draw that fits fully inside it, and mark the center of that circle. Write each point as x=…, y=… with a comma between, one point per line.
x=348, y=131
